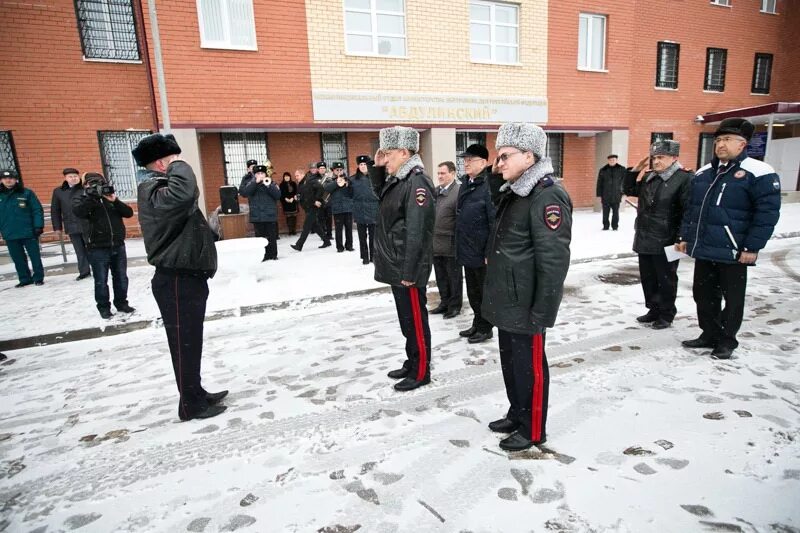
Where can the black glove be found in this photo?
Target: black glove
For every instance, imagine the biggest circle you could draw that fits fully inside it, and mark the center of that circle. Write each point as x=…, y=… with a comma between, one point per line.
x=93, y=192
x=38, y=231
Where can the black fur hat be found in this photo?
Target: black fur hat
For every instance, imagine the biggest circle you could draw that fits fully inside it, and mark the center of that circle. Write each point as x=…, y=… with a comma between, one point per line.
x=363, y=159
x=735, y=126
x=154, y=147
x=336, y=164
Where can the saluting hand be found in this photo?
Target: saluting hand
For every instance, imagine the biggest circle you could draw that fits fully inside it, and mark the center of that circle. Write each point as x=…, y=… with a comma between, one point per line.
x=380, y=158
x=642, y=164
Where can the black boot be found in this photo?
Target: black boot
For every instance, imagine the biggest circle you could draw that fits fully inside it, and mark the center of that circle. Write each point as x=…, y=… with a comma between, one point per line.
x=503, y=425
x=410, y=383
x=266, y=254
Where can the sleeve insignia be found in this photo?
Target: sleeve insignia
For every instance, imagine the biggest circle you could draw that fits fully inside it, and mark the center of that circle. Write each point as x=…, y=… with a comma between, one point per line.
x=740, y=174
x=421, y=196
x=552, y=216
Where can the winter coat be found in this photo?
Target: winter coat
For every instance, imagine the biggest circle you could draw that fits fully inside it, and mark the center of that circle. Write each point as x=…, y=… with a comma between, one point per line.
x=444, y=230
x=341, y=198
x=103, y=226
x=288, y=191
x=609, y=183
x=731, y=210
x=474, y=219
x=404, y=233
x=365, y=201
x=310, y=189
x=661, y=207
x=61, y=213
x=177, y=237
x=263, y=199
x=21, y=213
x=528, y=256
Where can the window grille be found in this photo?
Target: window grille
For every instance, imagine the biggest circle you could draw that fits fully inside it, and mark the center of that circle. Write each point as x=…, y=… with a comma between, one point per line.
x=107, y=29
x=716, y=59
x=238, y=148
x=8, y=156
x=334, y=149
x=667, y=65
x=119, y=167
x=762, y=73
x=555, y=151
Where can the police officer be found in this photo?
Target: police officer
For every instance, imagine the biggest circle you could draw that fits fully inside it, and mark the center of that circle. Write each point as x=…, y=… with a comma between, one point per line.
x=528, y=259
x=340, y=203
x=365, y=208
x=404, y=245
x=263, y=195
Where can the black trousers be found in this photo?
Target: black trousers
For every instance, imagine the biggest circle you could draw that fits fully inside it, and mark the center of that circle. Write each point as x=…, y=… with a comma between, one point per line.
x=115, y=260
x=312, y=223
x=268, y=230
x=182, y=302
x=659, y=284
x=527, y=379
x=475, y=278
x=450, y=282
x=713, y=282
x=80, y=252
x=291, y=222
x=344, y=221
x=366, y=241
x=327, y=222
x=614, y=217
x=413, y=317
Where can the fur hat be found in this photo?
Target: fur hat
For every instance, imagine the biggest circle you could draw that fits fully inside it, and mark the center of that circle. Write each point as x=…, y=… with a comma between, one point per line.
x=363, y=159
x=321, y=164
x=336, y=164
x=93, y=177
x=9, y=174
x=666, y=147
x=259, y=168
x=399, y=137
x=735, y=126
x=154, y=147
x=251, y=162
x=524, y=136
x=70, y=170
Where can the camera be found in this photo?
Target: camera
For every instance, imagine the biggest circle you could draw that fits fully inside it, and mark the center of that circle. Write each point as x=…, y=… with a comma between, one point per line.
x=100, y=189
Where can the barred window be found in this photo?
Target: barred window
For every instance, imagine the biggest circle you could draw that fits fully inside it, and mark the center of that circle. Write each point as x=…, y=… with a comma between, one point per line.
x=334, y=149
x=8, y=156
x=237, y=149
x=464, y=139
x=656, y=136
x=494, y=32
x=119, y=167
x=667, y=65
x=227, y=24
x=375, y=27
x=716, y=58
x=555, y=151
x=107, y=29
x=762, y=72
x=705, y=149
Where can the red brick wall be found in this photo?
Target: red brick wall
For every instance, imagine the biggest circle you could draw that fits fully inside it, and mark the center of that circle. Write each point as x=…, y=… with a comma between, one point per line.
x=579, y=169
x=786, y=72
x=212, y=160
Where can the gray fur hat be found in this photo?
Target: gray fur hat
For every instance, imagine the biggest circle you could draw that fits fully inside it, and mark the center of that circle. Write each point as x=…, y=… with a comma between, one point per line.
x=399, y=137
x=665, y=147
x=524, y=136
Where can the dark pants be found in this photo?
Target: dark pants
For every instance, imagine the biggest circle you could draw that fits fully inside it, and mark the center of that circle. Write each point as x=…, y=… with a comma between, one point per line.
x=475, y=278
x=182, y=302
x=527, y=379
x=17, y=248
x=449, y=281
x=366, y=241
x=413, y=316
x=344, y=221
x=268, y=230
x=713, y=282
x=80, y=252
x=660, y=284
x=291, y=222
x=614, y=216
x=327, y=222
x=312, y=223
x=102, y=260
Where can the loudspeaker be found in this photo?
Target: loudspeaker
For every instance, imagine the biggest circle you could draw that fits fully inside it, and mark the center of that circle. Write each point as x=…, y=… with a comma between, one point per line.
x=229, y=200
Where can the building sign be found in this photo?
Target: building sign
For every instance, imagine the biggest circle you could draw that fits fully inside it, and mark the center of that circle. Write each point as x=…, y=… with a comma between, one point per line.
x=758, y=146
x=425, y=108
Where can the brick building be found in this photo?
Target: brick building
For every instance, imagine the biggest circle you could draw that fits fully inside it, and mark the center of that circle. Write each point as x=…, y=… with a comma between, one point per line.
x=299, y=81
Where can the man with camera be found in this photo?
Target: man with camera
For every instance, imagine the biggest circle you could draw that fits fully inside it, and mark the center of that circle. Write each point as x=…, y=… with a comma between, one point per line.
x=263, y=195
x=341, y=206
x=104, y=232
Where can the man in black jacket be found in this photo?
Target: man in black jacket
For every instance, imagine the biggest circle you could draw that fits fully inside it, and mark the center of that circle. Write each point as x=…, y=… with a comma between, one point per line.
x=65, y=220
x=104, y=233
x=528, y=261
x=311, y=195
x=404, y=245
x=663, y=194
x=180, y=245
x=609, y=190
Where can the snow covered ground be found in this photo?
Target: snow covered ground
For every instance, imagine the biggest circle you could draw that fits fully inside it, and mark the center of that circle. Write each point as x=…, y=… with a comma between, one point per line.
x=643, y=435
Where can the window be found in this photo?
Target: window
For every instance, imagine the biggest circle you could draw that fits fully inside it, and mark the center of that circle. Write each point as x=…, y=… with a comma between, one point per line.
x=464, y=139
x=8, y=156
x=334, y=148
x=705, y=150
x=107, y=29
x=592, y=42
x=660, y=136
x=762, y=72
x=118, y=163
x=667, y=65
x=237, y=148
x=555, y=151
x=769, y=6
x=726, y=3
x=715, y=69
x=494, y=32
x=375, y=27
x=226, y=24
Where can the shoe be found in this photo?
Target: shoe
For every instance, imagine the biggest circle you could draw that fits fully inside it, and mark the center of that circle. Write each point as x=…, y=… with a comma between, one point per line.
x=38, y=283
x=468, y=332
x=661, y=324
x=410, y=383
x=503, y=425
x=265, y=259
x=615, y=229
x=480, y=336
x=350, y=249
x=722, y=352
x=516, y=443
x=605, y=229
x=106, y=313
x=452, y=313
x=208, y=412
x=124, y=308
x=365, y=261
x=295, y=247
x=83, y=276
x=325, y=244
x=647, y=318
x=214, y=398
x=438, y=310
x=3, y=357
x=20, y=284
x=699, y=342
x=400, y=373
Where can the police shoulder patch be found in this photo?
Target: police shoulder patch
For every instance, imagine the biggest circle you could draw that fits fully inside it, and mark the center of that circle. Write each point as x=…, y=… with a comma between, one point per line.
x=552, y=216
x=740, y=174
x=421, y=196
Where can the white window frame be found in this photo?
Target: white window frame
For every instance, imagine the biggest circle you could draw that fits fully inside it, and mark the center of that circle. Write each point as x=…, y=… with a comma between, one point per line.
x=373, y=12
x=723, y=3
x=226, y=43
x=492, y=32
x=765, y=6
x=590, y=17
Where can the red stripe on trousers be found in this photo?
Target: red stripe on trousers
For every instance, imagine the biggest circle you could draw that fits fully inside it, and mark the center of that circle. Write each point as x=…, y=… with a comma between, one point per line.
x=423, y=354
x=538, y=388
x=180, y=356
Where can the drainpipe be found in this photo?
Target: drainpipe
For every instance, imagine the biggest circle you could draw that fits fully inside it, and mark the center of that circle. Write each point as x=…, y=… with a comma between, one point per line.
x=769, y=134
x=162, y=86
x=146, y=58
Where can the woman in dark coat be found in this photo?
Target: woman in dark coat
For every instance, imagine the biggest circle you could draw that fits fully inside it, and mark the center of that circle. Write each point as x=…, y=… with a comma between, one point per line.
x=289, y=200
x=365, y=208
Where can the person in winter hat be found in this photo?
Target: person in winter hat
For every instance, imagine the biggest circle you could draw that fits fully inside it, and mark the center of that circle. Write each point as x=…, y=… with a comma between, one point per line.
x=64, y=220
x=21, y=224
x=263, y=195
x=340, y=201
x=365, y=208
x=527, y=262
x=609, y=190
